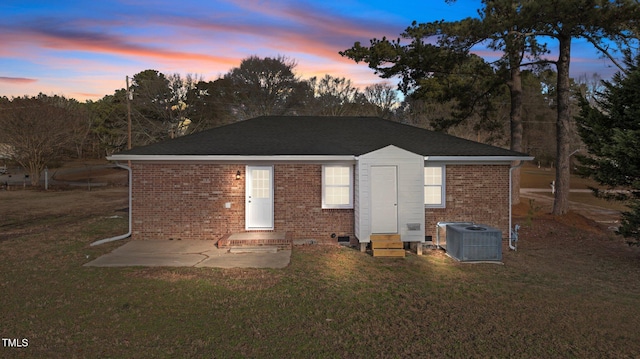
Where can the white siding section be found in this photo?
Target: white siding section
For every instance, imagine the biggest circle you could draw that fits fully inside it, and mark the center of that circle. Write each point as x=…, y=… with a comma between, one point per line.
x=410, y=167
x=356, y=199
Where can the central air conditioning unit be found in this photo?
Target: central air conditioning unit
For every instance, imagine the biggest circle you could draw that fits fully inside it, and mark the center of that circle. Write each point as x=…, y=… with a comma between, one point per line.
x=474, y=242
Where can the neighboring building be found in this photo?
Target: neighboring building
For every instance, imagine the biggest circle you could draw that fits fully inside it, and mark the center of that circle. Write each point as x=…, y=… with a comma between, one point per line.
x=6, y=151
x=314, y=177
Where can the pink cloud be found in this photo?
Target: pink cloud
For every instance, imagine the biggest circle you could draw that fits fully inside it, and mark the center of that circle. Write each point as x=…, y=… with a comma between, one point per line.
x=309, y=29
x=84, y=95
x=195, y=43
x=17, y=80
x=67, y=40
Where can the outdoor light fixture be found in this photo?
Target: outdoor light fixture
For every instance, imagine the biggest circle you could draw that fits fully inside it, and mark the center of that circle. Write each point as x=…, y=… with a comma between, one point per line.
x=238, y=175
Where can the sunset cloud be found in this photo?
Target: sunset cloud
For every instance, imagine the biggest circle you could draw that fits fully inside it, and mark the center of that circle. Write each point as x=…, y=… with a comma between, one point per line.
x=87, y=51
x=16, y=80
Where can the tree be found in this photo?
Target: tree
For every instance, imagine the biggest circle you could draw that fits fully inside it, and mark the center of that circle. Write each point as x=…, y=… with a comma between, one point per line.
x=332, y=96
x=427, y=71
x=384, y=97
x=539, y=115
x=38, y=130
x=448, y=72
x=610, y=129
x=601, y=23
x=511, y=26
x=109, y=122
x=263, y=86
x=151, y=107
x=210, y=104
x=181, y=109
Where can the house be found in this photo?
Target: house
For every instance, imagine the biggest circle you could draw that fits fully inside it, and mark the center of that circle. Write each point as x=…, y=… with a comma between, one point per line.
x=6, y=151
x=318, y=178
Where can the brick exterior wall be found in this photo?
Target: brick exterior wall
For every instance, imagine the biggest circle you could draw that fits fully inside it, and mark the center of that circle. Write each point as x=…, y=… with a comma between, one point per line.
x=187, y=201
x=474, y=193
x=298, y=205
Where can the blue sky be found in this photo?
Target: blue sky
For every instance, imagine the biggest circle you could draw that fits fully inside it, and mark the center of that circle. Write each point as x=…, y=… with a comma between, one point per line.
x=85, y=49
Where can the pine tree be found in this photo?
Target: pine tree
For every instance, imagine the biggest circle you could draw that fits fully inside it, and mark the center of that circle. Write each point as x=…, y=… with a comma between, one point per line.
x=611, y=131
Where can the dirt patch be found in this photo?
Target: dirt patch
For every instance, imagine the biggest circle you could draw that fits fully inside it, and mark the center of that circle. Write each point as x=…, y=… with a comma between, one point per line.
x=525, y=209
x=536, y=204
x=33, y=211
x=94, y=173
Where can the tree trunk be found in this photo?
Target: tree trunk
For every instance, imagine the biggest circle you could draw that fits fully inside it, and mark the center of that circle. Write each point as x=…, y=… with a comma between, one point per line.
x=561, y=199
x=515, y=116
x=34, y=169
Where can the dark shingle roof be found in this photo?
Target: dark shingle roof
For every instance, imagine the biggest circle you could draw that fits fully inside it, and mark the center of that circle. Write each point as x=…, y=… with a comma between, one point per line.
x=317, y=135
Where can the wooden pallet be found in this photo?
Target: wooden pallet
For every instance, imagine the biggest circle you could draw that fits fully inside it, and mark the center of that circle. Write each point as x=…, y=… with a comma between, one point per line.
x=387, y=245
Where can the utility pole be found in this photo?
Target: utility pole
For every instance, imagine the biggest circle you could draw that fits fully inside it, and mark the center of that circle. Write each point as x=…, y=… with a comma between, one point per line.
x=128, y=115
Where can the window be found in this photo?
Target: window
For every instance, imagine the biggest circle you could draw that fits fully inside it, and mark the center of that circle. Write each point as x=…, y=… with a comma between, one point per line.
x=434, y=191
x=337, y=188
x=260, y=186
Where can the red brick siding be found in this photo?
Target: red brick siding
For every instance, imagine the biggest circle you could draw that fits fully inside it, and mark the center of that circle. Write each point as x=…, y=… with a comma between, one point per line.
x=298, y=205
x=187, y=201
x=474, y=193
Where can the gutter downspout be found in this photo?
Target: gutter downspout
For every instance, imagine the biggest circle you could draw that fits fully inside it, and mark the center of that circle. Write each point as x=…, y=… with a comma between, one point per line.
x=513, y=234
x=128, y=234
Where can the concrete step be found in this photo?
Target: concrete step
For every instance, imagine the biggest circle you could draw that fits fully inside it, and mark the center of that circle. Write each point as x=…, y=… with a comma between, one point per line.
x=254, y=249
x=255, y=239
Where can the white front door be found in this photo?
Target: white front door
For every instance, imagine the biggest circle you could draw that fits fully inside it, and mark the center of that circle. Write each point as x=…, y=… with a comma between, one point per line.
x=384, y=199
x=259, y=197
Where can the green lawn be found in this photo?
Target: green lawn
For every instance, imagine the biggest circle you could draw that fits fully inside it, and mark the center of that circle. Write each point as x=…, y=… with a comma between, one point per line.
x=533, y=177
x=565, y=293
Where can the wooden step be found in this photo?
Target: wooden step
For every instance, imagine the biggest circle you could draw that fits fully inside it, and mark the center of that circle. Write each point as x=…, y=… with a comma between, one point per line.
x=388, y=252
x=393, y=237
x=384, y=243
x=387, y=245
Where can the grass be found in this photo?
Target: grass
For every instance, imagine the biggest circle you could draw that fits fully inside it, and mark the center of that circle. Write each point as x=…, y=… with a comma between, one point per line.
x=589, y=199
x=570, y=290
x=534, y=177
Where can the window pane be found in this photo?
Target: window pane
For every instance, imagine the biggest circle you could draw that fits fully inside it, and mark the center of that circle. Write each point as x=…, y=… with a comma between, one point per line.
x=434, y=186
x=337, y=195
x=433, y=195
x=433, y=176
x=337, y=187
x=260, y=184
x=336, y=176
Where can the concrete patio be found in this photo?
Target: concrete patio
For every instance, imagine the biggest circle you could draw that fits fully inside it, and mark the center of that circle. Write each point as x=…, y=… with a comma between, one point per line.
x=191, y=253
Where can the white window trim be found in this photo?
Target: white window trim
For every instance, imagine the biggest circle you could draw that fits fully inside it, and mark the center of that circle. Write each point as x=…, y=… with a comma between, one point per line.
x=443, y=188
x=338, y=206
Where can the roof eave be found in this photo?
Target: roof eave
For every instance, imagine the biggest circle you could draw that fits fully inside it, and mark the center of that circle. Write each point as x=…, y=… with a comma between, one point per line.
x=230, y=158
x=478, y=158
x=272, y=158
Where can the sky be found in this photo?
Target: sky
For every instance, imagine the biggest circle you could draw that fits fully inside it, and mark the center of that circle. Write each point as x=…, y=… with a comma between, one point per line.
x=86, y=49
